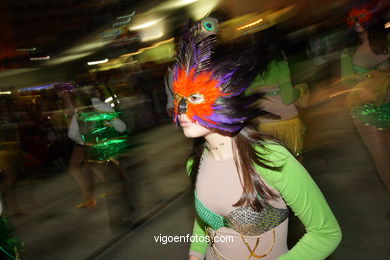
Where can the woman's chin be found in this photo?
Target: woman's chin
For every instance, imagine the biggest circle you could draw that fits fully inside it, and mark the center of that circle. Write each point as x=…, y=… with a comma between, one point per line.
x=189, y=135
x=195, y=130
x=359, y=29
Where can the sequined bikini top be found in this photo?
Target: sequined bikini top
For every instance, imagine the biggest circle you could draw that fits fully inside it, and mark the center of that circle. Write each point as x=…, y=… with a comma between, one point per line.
x=244, y=220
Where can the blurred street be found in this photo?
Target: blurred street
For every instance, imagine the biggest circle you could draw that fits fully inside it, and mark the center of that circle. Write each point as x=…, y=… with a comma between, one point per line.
x=155, y=169
x=160, y=192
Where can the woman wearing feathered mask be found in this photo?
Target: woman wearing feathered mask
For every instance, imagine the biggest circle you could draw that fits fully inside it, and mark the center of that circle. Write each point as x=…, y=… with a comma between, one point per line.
x=365, y=69
x=243, y=182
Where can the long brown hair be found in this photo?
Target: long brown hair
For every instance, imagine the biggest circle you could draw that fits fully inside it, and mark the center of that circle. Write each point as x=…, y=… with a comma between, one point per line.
x=245, y=157
x=377, y=37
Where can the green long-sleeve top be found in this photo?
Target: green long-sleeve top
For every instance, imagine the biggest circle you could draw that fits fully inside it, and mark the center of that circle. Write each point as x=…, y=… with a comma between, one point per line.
x=302, y=195
x=278, y=75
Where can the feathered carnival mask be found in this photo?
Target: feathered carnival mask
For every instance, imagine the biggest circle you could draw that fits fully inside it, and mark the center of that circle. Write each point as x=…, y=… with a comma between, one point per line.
x=209, y=88
x=361, y=15
x=364, y=13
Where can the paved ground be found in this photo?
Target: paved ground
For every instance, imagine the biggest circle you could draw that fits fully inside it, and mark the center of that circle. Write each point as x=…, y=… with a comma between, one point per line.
x=155, y=177
x=159, y=190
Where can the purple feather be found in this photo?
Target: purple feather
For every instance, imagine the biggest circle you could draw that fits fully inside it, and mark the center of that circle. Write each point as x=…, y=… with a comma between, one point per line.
x=225, y=119
x=230, y=128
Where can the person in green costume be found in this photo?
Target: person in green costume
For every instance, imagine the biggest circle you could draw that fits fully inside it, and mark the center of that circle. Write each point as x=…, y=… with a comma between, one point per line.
x=279, y=99
x=365, y=70
x=243, y=182
x=100, y=137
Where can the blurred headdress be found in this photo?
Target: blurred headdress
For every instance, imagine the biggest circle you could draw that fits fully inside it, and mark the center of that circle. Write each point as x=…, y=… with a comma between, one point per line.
x=208, y=80
x=361, y=15
x=364, y=13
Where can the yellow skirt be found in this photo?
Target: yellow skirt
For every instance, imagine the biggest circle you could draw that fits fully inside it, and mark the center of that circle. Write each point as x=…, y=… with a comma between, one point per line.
x=291, y=132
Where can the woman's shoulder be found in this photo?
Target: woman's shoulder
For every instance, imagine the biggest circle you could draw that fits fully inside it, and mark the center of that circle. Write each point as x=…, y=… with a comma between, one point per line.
x=286, y=168
x=274, y=155
x=273, y=152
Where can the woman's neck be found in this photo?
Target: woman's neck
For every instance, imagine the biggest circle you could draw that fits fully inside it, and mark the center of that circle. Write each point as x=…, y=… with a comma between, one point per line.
x=220, y=146
x=364, y=37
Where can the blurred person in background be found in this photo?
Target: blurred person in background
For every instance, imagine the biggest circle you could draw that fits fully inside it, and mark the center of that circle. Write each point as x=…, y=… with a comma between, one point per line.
x=10, y=246
x=365, y=69
x=100, y=137
x=243, y=182
x=279, y=99
x=78, y=168
x=10, y=163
